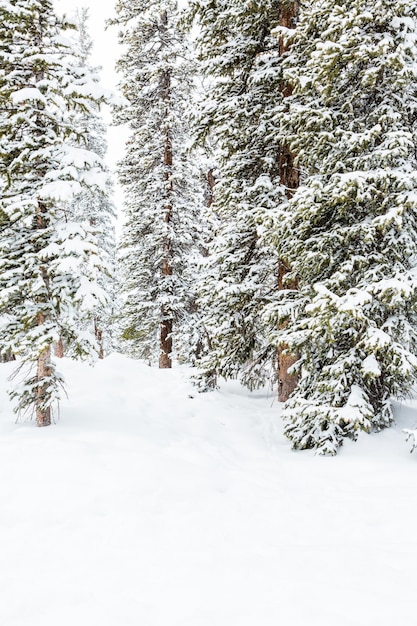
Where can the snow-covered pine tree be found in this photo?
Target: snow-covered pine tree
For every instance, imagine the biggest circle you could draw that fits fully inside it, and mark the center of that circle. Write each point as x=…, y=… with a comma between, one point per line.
x=48, y=264
x=95, y=206
x=241, y=59
x=162, y=231
x=350, y=232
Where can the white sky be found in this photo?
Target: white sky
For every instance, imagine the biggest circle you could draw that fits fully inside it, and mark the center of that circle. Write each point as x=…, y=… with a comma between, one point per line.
x=105, y=50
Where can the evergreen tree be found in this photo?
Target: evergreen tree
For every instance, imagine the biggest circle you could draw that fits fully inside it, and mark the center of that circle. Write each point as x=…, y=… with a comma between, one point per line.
x=240, y=56
x=93, y=205
x=160, y=243
x=48, y=263
x=349, y=232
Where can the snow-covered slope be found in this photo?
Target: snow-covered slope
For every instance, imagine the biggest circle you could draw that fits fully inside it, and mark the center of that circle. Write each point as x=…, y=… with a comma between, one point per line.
x=148, y=504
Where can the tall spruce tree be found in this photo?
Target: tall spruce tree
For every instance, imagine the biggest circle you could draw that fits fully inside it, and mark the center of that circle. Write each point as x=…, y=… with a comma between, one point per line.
x=241, y=58
x=161, y=235
x=48, y=263
x=350, y=231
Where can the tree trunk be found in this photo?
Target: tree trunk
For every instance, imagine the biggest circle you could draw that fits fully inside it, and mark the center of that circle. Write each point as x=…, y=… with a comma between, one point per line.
x=286, y=382
x=44, y=370
x=290, y=179
x=287, y=18
x=211, y=181
x=165, y=360
x=59, y=349
x=6, y=357
x=98, y=333
x=43, y=414
x=99, y=336
x=166, y=326
x=209, y=376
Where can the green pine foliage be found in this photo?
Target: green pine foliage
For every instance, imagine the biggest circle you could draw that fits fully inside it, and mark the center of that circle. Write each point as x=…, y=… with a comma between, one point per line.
x=48, y=262
x=350, y=232
x=240, y=116
x=163, y=200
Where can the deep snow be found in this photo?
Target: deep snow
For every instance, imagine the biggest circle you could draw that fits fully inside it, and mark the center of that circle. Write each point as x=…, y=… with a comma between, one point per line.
x=144, y=506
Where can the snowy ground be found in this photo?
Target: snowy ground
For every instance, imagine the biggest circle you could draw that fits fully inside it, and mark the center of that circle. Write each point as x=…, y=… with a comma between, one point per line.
x=144, y=506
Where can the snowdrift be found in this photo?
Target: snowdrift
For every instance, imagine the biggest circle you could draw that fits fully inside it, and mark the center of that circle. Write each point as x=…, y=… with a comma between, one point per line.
x=150, y=504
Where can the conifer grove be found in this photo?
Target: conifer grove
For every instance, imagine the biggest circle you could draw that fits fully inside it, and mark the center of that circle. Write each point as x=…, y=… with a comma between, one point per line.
x=269, y=223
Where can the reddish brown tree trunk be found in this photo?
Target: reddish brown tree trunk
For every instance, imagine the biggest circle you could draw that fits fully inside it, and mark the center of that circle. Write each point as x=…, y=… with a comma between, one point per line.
x=287, y=18
x=166, y=326
x=44, y=370
x=59, y=349
x=290, y=179
x=211, y=181
x=165, y=360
